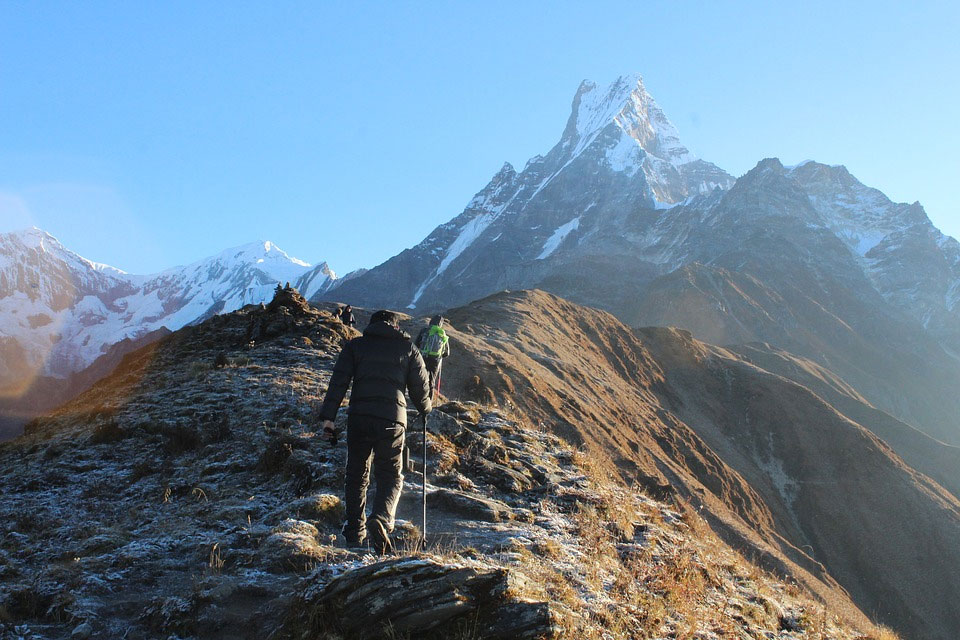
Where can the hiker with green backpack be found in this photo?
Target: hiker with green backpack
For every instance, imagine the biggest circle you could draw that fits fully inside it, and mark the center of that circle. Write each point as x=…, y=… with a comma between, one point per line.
x=434, y=346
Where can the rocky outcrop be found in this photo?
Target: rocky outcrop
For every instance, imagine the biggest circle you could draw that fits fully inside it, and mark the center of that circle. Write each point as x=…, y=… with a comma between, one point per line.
x=433, y=599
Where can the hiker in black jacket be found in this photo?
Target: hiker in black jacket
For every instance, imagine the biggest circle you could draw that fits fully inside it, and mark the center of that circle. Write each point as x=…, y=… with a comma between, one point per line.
x=382, y=363
x=346, y=316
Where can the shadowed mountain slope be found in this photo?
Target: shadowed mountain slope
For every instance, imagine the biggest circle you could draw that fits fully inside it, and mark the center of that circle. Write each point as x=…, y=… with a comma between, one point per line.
x=770, y=460
x=936, y=459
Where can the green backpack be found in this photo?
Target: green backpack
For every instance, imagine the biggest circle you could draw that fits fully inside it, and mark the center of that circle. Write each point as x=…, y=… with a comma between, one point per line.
x=434, y=343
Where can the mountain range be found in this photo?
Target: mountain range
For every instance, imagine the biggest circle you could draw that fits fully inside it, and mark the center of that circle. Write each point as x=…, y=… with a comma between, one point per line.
x=619, y=215
x=779, y=351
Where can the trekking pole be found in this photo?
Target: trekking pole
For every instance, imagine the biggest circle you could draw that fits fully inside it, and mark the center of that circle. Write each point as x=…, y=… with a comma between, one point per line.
x=423, y=533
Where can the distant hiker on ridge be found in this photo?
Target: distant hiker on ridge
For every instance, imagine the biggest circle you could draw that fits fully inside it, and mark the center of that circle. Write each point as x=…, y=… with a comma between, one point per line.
x=346, y=316
x=434, y=347
x=382, y=363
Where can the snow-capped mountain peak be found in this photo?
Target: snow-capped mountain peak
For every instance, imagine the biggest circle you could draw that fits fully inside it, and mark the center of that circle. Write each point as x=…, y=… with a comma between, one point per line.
x=639, y=125
x=618, y=151
x=60, y=311
x=265, y=251
x=42, y=244
x=266, y=256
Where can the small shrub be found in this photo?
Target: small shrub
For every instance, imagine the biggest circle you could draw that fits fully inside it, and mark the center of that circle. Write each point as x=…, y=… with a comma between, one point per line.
x=218, y=429
x=142, y=469
x=221, y=360
x=108, y=432
x=216, y=560
x=324, y=507
x=39, y=601
x=180, y=439
x=170, y=615
x=548, y=548
x=276, y=453
x=197, y=369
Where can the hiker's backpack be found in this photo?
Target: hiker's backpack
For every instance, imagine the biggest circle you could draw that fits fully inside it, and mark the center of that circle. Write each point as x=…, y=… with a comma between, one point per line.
x=434, y=343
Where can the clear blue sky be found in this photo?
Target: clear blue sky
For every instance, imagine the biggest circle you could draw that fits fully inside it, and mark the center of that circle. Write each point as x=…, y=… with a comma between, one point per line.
x=149, y=134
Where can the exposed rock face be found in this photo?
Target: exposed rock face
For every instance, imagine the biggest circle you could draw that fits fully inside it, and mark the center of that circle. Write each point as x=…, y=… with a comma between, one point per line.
x=617, y=153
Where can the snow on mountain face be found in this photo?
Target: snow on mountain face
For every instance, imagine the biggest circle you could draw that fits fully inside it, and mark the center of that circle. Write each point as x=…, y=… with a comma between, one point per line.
x=618, y=149
x=860, y=216
x=627, y=105
x=908, y=261
x=59, y=311
x=624, y=127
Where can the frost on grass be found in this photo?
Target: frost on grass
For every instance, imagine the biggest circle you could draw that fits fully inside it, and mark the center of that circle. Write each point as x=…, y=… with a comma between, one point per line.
x=179, y=499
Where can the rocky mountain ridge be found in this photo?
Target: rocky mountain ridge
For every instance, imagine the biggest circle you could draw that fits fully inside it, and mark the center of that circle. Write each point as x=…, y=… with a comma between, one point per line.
x=203, y=504
x=781, y=472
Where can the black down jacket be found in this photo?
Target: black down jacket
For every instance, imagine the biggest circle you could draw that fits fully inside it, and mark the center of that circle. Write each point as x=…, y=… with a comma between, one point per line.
x=382, y=363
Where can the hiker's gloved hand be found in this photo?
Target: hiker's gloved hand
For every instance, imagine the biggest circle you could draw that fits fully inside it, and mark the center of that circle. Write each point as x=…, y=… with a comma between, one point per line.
x=329, y=432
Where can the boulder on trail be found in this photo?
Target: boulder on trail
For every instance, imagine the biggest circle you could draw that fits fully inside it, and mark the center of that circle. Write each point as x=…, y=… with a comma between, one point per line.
x=470, y=506
x=293, y=546
x=430, y=598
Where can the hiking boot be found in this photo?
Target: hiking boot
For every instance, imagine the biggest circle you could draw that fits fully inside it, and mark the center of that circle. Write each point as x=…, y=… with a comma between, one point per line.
x=356, y=544
x=379, y=538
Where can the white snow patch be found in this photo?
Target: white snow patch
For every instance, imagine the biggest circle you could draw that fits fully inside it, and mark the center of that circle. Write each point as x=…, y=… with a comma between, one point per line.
x=662, y=206
x=554, y=241
x=468, y=235
x=952, y=298
x=786, y=486
x=626, y=156
x=861, y=240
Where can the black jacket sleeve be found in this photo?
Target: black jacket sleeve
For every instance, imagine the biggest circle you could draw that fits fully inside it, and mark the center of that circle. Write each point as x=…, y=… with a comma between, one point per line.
x=418, y=382
x=339, y=382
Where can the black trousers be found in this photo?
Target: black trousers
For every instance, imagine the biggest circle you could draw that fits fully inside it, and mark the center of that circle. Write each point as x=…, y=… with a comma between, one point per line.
x=382, y=441
x=432, y=364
